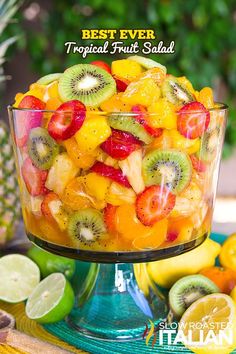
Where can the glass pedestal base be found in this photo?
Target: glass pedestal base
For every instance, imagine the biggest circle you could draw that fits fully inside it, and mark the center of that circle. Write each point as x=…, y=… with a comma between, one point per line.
x=116, y=302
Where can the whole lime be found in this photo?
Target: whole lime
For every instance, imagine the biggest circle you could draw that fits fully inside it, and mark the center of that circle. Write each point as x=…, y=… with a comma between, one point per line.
x=49, y=263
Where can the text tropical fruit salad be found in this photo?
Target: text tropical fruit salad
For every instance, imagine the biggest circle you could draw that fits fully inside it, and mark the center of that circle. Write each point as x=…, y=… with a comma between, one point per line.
x=117, y=159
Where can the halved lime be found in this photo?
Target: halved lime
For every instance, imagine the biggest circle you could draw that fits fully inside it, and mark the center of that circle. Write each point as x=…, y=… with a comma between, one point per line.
x=18, y=277
x=51, y=300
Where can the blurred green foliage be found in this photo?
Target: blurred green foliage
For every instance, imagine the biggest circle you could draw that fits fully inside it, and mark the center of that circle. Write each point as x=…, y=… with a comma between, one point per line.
x=204, y=33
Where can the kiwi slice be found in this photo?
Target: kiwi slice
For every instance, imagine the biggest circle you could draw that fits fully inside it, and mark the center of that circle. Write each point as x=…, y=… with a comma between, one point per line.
x=86, y=227
x=175, y=92
x=147, y=63
x=209, y=145
x=170, y=167
x=130, y=125
x=189, y=289
x=42, y=148
x=86, y=83
x=47, y=79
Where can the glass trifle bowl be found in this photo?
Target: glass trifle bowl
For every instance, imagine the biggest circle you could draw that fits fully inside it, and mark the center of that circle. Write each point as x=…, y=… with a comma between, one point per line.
x=117, y=188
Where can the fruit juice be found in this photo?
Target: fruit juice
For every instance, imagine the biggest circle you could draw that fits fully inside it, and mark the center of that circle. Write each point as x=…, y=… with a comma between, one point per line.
x=122, y=158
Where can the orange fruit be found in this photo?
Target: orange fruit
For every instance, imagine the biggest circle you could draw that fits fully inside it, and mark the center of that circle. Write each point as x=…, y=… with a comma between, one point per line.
x=53, y=103
x=128, y=224
x=80, y=158
x=224, y=278
x=144, y=92
x=155, y=238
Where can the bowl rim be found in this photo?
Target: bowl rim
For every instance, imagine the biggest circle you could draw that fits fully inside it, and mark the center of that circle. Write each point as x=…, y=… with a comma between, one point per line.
x=220, y=107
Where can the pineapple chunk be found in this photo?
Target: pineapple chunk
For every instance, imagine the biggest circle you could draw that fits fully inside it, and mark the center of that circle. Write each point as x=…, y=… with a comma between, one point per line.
x=93, y=132
x=143, y=92
x=61, y=173
x=119, y=195
x=58, y=213
x=97, y=186
x=132, y=169
x=125, y=68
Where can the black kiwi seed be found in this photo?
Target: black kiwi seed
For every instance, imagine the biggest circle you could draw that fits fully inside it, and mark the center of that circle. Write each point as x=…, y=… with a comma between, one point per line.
x=86, y=83
x=189, y=289
x=176, y=92
x=42, y=148
x=169, y=167
x=86, y=227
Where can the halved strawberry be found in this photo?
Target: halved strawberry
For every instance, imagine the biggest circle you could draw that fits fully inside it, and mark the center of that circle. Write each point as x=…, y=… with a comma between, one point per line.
x=193, y=120
x=109, y=217
x=34, y=178
x=198, y=165
x=101, y=64
x=46, y=211
x=120, y=144
x=140, y=117
x=28, y=119
x=121, y=83
x=154, y=204
x=111, y=172
x=67, y=120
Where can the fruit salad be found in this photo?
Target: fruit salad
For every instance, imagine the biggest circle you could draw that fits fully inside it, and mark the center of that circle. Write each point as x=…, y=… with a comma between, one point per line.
x=117, y=158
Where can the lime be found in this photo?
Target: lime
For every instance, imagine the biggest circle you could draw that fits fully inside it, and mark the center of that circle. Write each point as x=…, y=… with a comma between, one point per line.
x=51, y=300
x=19, y=276
x=50, y=263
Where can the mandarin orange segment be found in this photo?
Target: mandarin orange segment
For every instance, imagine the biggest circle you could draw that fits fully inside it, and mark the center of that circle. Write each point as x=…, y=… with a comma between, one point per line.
x=156, y=237
x=128, y=224
x=80, y=158
x=53, y=103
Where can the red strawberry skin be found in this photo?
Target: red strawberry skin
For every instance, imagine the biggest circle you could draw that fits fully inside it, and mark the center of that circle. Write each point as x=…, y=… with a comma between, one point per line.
x=67, y=120
x=198, y=165
x=27, y=120
x=141, y=112
x=154, y=204
x=120, y=144
x=101, y=64
x=121, y=84
x=193, y=120
x=34, y=178
x=109, y=217
x=49, y=197
x=111, y=172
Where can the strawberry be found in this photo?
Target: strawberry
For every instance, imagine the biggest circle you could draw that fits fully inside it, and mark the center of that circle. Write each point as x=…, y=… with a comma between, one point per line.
x=193, y=120
x=27, y=120
x=198, y=165
x=46, y=211
x=111, y=172
x=140, y=117
x=121, y=83
x=109, y=217
x=171, y=236
x=120, y=144
x=101, y=64
x=67, y=120
x=154, y=204
x=34, y=178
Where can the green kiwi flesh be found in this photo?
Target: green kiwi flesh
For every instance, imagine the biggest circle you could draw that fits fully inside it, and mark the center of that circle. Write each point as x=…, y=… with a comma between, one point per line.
x=176, y=92
x=86, y=83
x=48, y=79
x=147, y=63
x=170, y=167
x=86, y=227
x=189, y=289
x=42, y=148
x=130, y=125
x=209, y=145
